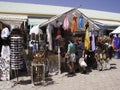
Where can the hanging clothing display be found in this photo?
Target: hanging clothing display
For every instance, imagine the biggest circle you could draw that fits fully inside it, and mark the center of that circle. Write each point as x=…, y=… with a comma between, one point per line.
x=5, y=52
x=74, y=24
x=49, y=36
x=93, y=40
x=5, y=33
x=5, y=36
x=87, y=40
x=66, y=23
x=36, y=30
x=116, y=42
x=5, y=55
x=81, y=22
x=5, y=68
x=0, y=43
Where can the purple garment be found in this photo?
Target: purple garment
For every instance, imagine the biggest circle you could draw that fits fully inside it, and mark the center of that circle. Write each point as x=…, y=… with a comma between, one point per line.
x=116, y=42
x=93, y=41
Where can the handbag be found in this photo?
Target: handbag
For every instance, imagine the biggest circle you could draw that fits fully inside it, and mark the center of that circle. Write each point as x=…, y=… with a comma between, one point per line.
x=82, y=62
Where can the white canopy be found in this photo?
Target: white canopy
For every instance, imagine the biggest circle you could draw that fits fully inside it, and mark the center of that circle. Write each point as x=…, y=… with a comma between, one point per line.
x=71, y=13
x=116, y=31
x=36, y=30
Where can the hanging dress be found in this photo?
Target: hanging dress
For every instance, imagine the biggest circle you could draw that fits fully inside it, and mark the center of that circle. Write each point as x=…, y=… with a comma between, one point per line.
x=87, y=38
x=93, y=41
x=5, y=52
x=74, y=25
x=81, y=22
x=49, y=36
x=66, y=23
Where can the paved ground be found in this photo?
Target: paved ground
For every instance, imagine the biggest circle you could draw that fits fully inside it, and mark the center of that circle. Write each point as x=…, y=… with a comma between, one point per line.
x=95, y=80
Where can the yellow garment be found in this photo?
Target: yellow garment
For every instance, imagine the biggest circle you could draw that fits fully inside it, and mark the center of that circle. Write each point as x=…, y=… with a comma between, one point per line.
x=87, y=40
x=74, y=24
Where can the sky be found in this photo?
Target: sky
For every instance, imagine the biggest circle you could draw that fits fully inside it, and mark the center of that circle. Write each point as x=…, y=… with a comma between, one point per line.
x=102, y=5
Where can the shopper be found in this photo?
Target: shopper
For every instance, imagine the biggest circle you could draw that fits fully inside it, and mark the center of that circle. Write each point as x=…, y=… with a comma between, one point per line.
x=71, y=53
x=79, y=50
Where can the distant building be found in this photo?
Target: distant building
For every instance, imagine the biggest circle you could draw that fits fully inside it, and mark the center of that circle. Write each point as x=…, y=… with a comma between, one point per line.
x=28, y=15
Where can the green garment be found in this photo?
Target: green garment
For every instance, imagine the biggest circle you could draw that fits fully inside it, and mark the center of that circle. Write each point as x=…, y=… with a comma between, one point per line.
x=71, y=48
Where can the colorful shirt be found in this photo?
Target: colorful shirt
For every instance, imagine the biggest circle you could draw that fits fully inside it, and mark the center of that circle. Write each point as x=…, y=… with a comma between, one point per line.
x=71, y=48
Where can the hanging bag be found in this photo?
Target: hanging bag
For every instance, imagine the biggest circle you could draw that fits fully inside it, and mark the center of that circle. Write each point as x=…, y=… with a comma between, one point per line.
x=82, y=62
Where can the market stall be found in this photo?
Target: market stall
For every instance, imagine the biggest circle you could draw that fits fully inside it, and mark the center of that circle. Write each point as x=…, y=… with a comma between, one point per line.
x=48, y=41
x=11, y=54
x=116, y=42
x=116, y=31
x=64, y=27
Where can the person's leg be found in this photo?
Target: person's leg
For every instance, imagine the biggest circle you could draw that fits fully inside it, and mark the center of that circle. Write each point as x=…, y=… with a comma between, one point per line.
x=83, y=70
x=70, y=67
x=73, y=63
x=99, y=62
x=101, y=65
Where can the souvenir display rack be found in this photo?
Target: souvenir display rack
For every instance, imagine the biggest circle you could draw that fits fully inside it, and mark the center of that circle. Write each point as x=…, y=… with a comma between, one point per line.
x=16, y=56
x=38, y=73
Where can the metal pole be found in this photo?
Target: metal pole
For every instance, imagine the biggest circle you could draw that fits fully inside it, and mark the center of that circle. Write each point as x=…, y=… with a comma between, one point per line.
x=59, y=60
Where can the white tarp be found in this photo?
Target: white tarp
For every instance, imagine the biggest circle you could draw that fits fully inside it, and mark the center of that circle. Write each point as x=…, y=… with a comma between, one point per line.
x=13, y=17
x=34, y=21
x=107, y=23
x=116, y=31
x=71, y=13
x=36, y=30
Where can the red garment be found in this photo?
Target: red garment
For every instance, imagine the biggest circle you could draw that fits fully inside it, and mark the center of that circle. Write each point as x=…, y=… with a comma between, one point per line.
x=58, y=32
x=74, y=24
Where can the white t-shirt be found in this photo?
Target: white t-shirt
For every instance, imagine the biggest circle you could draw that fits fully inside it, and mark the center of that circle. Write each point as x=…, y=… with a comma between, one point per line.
x=5, y=33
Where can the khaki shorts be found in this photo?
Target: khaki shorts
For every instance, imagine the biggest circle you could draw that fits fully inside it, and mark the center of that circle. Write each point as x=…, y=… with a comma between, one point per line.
x=72, y=58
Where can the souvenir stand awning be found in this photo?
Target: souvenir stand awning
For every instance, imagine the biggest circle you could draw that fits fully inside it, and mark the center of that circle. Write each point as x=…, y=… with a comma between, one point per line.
x=34, y=21
x=71, y=13
x=116, y=31
x=13, y=20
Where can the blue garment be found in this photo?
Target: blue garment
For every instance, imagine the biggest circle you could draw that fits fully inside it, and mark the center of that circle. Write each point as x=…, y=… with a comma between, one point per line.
x=81, y=22
x=35, y=48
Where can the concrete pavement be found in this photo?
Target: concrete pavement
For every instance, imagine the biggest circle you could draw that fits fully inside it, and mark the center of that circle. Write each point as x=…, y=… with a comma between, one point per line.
x=95, y=80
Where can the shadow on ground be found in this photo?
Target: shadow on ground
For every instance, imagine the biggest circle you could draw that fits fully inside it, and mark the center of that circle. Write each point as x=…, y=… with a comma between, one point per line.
x=113, y=66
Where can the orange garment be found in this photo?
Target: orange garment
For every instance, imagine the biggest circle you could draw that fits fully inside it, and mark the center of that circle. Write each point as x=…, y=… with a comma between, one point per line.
x=74, y=24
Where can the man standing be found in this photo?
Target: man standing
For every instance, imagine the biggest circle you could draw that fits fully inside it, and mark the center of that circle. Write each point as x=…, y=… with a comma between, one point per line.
x=79, y=50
